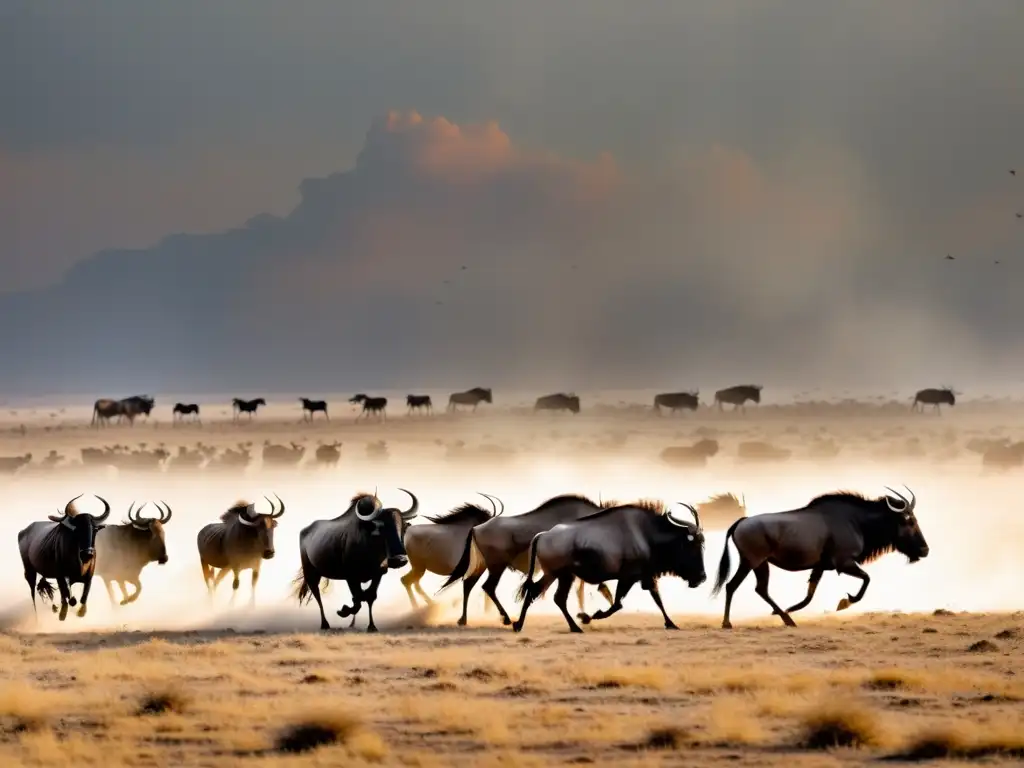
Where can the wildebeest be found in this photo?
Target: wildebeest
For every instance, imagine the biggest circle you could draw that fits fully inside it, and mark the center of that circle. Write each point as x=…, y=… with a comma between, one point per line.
x=240, y=542
x=738, y=396
x=181, y=410
x=558, y=402
x=11, y=464
x=834, y=532
x=356, y=547
x=677, y=401
x=631, y=543
x=695, y=455
x=312, y=406
x=472, y=397
x=437, y=548
x=417, y=402
x=328, y=455
x=136, y=405
x=63, y=549
x=934, y=398
x=104, y=409
x=122, y=551
x=504, y=542
x=240, y=406
x=377, y=405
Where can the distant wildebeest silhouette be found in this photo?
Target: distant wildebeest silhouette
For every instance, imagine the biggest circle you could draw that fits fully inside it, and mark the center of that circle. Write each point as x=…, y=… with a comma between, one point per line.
x=377, y=405
x=417, y=402
x=695, y=455
x=104, y=410
x=312, y=406
x=240, y=406
x=181, y=410
x=11, y=464
x=934, y=398
x=558, y=402
x=738, y=396
x=328, y=455
x=677, y=401
x=136, y=405
x=472, y=397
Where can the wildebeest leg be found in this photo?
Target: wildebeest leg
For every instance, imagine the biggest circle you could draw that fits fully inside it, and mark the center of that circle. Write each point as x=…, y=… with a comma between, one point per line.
x=562, y=600
x=602, y=589
x=30, y=577
x=65, y=598
x=412, y=579
x=217, y=579
x=426, y=598
x=493, y=577
x=255, y=579
x=812, y=586
x=467, y=586
x=652, y=588
x=621, y=590
x=734, y=583
x=761, y=573
x=86, y=587
x=852, y=569
x=110, y=592
x=135, y=595
x=370, y=595
x=579, y=596
x=357, y=601
x=535, y=590
x=234, y=584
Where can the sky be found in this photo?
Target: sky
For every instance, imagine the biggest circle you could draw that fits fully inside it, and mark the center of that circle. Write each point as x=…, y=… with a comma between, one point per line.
x=246, y=195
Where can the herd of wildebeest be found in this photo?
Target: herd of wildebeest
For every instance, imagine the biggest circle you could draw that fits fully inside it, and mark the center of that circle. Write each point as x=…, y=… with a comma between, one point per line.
x=567, y=540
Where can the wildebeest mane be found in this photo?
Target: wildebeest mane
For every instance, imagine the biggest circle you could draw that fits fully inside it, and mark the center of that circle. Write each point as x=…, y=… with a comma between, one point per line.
x=239, y=507
x=555, y=500
x=878, y=532
x=463, y=513
x=653, y=506
x=723, y=499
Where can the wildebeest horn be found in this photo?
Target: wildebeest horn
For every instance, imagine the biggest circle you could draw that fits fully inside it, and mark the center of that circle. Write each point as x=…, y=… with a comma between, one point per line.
x=414, y=510
x=243, y=517
x=497, y=513
x=133, y=517
x=901, y=497
x=106, y=510
x=696, y=516
x=167, y=507
x=377, y=508
x=279, y=512
x=68, y=507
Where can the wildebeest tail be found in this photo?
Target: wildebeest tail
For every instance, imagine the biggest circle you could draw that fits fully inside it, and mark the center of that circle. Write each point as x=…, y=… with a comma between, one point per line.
x=300, y=588
x=470, y=564
x=45, y=590
x=725, y=563
x=528, y=583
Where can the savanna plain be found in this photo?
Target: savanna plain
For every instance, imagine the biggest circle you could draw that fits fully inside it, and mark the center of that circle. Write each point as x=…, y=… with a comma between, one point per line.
x=929, y=667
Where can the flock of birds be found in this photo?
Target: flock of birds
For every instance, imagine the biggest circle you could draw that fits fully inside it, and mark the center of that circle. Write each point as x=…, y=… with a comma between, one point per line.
x=1018, y=214
x=565, y=541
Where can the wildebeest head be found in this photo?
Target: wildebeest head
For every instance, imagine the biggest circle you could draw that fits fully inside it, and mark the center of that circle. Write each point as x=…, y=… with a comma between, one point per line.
x=573, y=403
x=907, y=538
x=688, y=562
x=388, y=522
x=263, y=525
x=83, y=527
x=485, y=394
x=151, y=530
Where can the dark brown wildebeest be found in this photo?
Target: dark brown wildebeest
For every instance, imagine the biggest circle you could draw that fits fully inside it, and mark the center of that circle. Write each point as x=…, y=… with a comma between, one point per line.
x=104, y=410
x=360, y=545
x=122, y=551
x=834, y=532
x=558, y=402
x=471, y=397
x=240, y=542
x=934, y=398
x=136, y=405
x=677, y=401
x=181, y=410
x=240, y=406
x=63, y=549
x=377, y=405
x=328, y=455
x=630, y=543
x=504, y=542
x=437, y=548
x=695, y=455
x=11, y=464
x=417, y=402
x=312, y=406
x=738, y=396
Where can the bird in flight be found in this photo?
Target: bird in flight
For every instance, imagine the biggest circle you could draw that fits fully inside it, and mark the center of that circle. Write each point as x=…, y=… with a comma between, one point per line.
x=1013, y=172
x=949, y=258
x=1020, y=215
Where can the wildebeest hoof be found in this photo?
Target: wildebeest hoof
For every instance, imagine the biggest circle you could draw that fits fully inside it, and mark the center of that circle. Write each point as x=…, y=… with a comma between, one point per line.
x=324, y=626
x=372, y=628
x=345, y=612
x=81, y=611
x=517, y=626
x=54, y=608
x=843, y=604
x=461, y=622
x=584, y=617
x=506, y=620
x=670, y=625
x=125, y=601
x=72, y=601
x=576, y=630
x=788, y=621
x=726, y=625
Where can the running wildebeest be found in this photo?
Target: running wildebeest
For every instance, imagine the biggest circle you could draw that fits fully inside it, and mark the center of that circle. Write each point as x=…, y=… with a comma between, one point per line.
x=136, y=405
x=472, y=397
x=181, y=410
x=377, y=405
x=360, y=545
x=240, y=406
x=63, y=549
x=630, y=543
x=738, y=396
x=240, y=542
x=122, y=551
x=104, y=410
x=417, y=402
x=834, y=532
x=328, y=455
x=312, y=406
x=437, y=548
x=677, y=401
x=504, y=542
x=934, y=398
x=558, y=402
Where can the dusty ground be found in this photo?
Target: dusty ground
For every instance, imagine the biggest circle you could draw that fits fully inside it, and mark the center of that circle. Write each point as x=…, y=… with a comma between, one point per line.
x=153, y=684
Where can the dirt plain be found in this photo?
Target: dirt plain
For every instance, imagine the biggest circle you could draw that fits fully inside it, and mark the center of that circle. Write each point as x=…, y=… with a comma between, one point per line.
x=929, y=667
